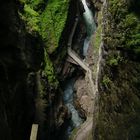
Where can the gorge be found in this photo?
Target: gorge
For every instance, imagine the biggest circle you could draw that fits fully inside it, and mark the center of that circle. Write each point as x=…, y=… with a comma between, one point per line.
x=76, y=121
x=71, y=68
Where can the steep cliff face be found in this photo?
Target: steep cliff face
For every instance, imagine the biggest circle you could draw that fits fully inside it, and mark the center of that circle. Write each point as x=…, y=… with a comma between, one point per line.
x=119, y=101
x=29, y=88
x=20, y=58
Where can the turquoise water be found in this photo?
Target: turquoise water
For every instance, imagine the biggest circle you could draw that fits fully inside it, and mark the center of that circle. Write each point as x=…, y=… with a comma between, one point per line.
x=90, y=26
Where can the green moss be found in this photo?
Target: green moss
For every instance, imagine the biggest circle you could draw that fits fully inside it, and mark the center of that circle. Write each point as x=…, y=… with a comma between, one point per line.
x=106, y=81
x=114, y=60
x=31, y=19
x=123, y=27
x=53, y=21
x=35, y=3
x=49, y=71
x=119, y=94
x=48, y=20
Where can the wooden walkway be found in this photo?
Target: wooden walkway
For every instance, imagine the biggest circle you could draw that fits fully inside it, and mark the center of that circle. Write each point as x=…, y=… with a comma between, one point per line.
x=77, y=59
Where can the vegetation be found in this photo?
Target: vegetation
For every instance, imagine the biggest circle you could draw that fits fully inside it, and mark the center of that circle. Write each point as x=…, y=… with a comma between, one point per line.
x=123, y=28
x=52, y=22
x=31, y=19
x=106, y=81
x=49, y=71
x=114, y=60
x=119, y=99
x=46, y=19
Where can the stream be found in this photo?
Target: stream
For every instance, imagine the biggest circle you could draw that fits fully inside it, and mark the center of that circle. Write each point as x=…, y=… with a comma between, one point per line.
x=68, y=100
x=68, y=96
x=90, y=26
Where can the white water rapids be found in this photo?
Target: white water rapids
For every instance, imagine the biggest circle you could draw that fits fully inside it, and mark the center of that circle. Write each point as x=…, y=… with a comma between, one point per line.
x=90, y=26
x=68, y=100
x=68, y=86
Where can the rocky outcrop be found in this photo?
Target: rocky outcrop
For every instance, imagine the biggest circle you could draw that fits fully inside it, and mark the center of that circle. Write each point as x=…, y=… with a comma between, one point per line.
x=26, y=95
x=20, y=58
x=119, y=81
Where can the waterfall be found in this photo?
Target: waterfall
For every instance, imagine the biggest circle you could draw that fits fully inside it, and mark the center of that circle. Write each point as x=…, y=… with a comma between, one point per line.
x=90, y=26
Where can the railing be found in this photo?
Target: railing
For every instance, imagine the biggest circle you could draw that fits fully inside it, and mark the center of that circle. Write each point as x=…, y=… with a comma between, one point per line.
x=34, y=132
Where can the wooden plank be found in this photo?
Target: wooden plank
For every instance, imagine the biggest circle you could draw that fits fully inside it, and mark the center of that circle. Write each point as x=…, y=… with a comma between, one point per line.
x=71, y=60
x=34, y=131
x=77, y=59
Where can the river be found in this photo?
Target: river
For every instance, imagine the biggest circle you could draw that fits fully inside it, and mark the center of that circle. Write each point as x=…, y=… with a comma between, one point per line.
x=69, y=84
x=90, y=26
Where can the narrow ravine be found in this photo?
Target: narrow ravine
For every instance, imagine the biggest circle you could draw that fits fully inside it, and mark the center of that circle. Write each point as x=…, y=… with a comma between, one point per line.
x=68, y=100
x=68, y=96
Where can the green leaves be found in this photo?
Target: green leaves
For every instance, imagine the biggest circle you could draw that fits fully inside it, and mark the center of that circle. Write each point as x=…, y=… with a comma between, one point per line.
x=31, y=19
x=46, y=19
x=106, y=81
x=53, y=21
x=123, y=28
x=49, y=71
x=29, y=11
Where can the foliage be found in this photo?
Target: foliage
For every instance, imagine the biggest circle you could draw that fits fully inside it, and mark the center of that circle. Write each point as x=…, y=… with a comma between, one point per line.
x=53, y=21
x=49, y=71
x=123, y=27
x=31, y=19
x=106, y=81
x=35, y=3
x=46, y=19
x=114, y=60
x=119, y=100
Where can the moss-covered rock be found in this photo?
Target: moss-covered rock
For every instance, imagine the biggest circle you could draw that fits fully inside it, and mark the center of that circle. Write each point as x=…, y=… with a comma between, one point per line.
x=47, y=19
x=28, y=83
x=53, y=21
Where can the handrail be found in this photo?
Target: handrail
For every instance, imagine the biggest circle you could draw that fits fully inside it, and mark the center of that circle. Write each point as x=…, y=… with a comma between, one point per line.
x=34, y=132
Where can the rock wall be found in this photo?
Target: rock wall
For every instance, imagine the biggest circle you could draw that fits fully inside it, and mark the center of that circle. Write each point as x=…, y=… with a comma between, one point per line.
x=26, y=94
x=20, y=58
x=119, y=100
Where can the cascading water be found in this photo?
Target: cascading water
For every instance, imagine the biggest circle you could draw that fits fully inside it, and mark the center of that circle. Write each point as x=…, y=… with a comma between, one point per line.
x=90, y=26
x=68, y=86
x=68, y=100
